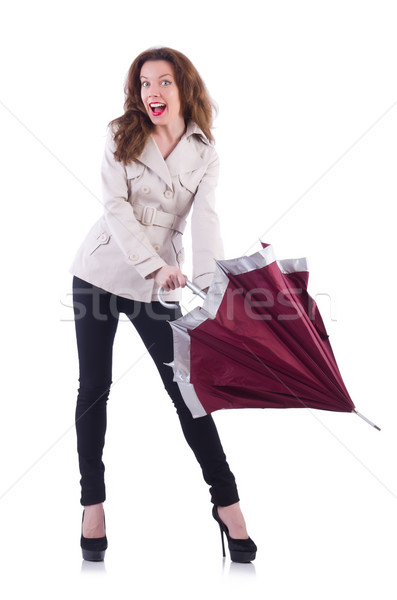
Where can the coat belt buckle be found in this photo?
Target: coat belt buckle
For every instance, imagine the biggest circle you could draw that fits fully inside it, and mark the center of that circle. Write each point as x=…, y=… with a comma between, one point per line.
x=148, y=215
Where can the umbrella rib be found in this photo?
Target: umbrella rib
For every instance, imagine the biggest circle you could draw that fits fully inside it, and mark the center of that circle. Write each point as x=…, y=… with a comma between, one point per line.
x=275, y=376
x=308, y=363
x=297, y=397
x=257, y=361
x=306, y=318
x=287, y=337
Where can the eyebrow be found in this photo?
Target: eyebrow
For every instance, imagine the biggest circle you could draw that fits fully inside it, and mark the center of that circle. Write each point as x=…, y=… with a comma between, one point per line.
x=160, y=76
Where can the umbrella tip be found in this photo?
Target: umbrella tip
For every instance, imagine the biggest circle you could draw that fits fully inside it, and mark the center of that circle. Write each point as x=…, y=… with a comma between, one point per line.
x=367, y=420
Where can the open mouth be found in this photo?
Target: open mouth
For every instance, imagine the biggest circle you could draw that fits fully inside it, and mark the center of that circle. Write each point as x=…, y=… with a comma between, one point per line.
x=157, y=108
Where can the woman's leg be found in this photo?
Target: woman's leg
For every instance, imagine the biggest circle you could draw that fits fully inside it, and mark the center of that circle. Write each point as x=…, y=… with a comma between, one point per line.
x=96, y=320
x=201, y=434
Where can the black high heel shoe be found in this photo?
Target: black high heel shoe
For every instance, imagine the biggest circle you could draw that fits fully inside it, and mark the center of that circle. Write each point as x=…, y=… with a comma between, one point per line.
x=93, y=548
x=241, y=551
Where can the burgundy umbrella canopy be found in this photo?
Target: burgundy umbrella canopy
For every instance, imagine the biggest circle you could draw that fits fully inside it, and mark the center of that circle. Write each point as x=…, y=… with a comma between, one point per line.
x=258, y=341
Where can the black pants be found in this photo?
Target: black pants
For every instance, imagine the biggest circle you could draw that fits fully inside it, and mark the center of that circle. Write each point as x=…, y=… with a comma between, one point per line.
x=96, y=319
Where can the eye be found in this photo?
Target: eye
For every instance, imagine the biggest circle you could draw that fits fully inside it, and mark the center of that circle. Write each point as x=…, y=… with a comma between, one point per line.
x=165, y=82
x=145, y=83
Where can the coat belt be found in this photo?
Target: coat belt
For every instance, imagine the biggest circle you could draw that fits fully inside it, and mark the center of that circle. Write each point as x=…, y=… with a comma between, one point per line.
x=147, y=215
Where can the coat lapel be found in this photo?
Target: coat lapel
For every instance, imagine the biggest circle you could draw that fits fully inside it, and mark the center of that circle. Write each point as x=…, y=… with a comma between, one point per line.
x=152, y=158
x=183, y=159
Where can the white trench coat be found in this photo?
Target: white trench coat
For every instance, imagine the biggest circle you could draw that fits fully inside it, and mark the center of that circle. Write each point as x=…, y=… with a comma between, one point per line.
x=145, y=207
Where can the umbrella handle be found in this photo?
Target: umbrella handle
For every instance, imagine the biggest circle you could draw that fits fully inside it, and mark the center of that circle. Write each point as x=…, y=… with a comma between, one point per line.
x=194, y=288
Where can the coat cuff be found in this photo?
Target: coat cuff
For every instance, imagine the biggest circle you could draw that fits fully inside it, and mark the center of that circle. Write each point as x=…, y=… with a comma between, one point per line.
x=148, y=266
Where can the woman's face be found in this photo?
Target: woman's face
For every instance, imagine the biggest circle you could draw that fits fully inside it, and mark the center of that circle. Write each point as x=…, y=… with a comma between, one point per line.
x=159, y=92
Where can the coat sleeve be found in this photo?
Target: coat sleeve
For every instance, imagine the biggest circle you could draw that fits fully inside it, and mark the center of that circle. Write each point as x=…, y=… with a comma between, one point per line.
x=120, y=218
x=207, y=243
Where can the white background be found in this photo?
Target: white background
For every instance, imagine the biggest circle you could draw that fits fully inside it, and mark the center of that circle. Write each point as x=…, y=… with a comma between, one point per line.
x=306, y=133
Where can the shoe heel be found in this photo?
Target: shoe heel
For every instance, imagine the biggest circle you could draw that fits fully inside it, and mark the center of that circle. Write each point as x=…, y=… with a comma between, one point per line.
x=223, y=542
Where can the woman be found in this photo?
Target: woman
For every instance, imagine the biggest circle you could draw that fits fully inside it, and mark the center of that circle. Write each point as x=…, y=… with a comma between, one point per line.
x=159, y=163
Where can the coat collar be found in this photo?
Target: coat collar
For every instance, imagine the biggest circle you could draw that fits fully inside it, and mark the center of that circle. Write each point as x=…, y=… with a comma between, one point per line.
x=193, y=129
x=184, y=158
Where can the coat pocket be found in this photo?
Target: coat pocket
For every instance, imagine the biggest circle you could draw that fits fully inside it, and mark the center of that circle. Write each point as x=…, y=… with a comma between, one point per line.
x=134, y=170
x=191, y=180
x=177, y=243
x=102, y=239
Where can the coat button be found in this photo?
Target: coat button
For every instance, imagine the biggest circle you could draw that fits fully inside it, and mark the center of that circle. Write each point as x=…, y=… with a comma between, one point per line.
x=145, y=189
x=168, y=194
x=134, y=257
x=103, y=238
x=156, y=247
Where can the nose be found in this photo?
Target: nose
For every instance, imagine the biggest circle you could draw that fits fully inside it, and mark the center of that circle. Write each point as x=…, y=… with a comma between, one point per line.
x=154, y=90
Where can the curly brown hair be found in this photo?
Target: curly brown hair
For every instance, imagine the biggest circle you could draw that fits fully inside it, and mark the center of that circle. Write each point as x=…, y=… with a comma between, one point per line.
x=134, y=127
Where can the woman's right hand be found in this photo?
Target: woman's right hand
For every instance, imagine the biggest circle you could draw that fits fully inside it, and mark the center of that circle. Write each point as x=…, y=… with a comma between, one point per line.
x=169, y=278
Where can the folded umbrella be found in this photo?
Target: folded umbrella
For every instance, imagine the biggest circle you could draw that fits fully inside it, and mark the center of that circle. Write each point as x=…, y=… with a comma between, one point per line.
x=258, y=341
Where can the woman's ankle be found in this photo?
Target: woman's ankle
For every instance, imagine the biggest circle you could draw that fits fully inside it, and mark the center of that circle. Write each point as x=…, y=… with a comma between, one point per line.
x=94, y=521
x=234, y=520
